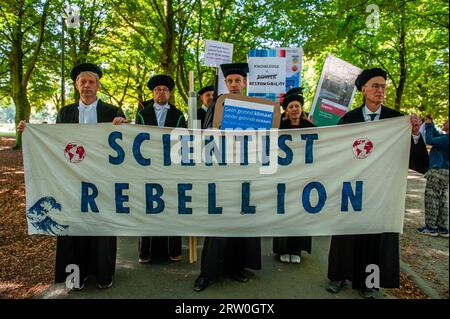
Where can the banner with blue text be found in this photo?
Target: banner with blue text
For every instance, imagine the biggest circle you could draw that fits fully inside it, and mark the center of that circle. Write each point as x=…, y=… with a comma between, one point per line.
x=133, y=180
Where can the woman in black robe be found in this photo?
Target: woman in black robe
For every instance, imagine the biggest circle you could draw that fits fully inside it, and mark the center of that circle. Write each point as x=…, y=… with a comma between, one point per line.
x=289, y=248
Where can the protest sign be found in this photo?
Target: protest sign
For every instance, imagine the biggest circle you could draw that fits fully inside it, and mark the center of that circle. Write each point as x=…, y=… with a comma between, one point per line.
x=235, y=111
x=273, y=72
x=335, y=91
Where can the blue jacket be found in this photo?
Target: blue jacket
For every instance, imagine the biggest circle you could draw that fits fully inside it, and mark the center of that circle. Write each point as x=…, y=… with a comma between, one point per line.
x=439, y=150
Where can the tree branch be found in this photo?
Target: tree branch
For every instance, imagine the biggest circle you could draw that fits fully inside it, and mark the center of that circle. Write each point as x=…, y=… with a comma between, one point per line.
x=34, y=58
x=8, y=25
x=141, y=32
x=380, y=62
x=124, y=91
x=31, y=26
x=160, y=15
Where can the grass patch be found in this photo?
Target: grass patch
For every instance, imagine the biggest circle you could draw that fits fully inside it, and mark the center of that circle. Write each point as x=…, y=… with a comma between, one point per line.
x=7, y=134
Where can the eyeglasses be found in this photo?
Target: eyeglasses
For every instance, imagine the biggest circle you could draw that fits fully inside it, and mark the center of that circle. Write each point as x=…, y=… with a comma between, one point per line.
x=377, y=86
x=161, y=90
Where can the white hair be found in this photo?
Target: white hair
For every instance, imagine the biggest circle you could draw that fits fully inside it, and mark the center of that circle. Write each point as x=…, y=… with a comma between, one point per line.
x=93, y=74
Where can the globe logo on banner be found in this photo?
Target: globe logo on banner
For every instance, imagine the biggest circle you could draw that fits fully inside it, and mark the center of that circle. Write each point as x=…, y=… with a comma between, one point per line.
x=362, y=147
x=74, y=153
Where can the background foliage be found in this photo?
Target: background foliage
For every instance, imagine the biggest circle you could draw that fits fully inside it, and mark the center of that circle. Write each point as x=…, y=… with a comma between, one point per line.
x=135, y=39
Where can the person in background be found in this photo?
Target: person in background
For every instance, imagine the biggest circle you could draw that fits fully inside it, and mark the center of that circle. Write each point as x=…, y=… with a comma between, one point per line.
x=436, y=189
x=422, y=127
x=295, y=116
x=206, y=96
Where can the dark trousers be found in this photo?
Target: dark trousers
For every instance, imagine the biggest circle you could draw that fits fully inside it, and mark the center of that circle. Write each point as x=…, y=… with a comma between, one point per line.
x=159, y=246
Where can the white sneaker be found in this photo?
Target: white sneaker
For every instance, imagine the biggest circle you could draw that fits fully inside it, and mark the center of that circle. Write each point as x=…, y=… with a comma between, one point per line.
x=284, y=258
x=144, y=260
x=295, y=259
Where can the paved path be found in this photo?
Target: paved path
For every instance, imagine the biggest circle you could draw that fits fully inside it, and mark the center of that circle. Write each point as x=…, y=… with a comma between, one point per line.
x=163, y=279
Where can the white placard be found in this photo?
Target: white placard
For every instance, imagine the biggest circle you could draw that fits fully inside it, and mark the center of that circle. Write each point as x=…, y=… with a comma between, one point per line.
x=267, y=75
x=217, y=53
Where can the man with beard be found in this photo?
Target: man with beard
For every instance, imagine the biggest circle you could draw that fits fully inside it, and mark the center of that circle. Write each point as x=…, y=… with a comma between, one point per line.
x=159, y=112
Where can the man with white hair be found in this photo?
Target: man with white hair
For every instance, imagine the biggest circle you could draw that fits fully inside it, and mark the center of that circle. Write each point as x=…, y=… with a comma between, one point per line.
x=89, y=109
x=350, y=255
x=95, y=256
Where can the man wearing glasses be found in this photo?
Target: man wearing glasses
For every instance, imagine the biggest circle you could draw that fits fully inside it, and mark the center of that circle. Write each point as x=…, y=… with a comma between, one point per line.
x=159, y=112
x=350, y=254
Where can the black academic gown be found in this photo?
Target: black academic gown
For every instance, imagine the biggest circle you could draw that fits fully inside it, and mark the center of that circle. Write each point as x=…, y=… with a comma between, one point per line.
x=227, y=255
x=95, y=255
x=201, y=113
x=208, y=121
x=350, y=254
x=292, y=245
x=159, y=246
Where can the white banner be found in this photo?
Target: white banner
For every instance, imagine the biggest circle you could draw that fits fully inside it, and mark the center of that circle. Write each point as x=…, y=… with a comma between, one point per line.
x=130, y=180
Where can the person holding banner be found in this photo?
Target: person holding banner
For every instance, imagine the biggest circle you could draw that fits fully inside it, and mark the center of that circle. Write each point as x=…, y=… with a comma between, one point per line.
x=236, y=82
x=95, y=256
x=289, y=248
x=350, y=255
x=159, y=112
x=206, y=96
x=224, y=255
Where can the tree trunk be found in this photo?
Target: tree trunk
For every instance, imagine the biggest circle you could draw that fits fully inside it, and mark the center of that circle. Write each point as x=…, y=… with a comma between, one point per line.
x=18, y=87
x=19, y=78
x=402, y=63
x=168, y=47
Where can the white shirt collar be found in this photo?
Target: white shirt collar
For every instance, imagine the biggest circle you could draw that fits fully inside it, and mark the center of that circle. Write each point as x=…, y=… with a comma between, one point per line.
x=204, y=107
x=367, y=111
x=82, y=106
x=160, y=107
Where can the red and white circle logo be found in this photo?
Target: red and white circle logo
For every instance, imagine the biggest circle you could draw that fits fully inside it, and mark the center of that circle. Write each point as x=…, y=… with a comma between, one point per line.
x=74, y=153
x=362, y=147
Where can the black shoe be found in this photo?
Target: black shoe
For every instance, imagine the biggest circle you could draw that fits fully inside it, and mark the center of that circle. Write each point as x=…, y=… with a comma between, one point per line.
x=239, y=276
x=369, y=293
x=201, y=283
x=82, y=284
x=105, y=285
x=335, y=286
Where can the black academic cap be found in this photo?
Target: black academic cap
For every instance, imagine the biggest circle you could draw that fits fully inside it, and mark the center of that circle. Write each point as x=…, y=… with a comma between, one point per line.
x=206, y=89
x=83, y=67
x=161, y=79
x=367, y=74
x=294, y=94
x=234, y=68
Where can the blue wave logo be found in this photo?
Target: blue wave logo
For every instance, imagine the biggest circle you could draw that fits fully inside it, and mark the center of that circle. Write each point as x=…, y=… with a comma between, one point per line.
x=38, y=216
